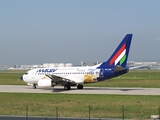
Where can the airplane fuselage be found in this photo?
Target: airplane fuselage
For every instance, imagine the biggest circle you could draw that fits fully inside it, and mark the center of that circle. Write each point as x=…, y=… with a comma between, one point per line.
x=79, y=75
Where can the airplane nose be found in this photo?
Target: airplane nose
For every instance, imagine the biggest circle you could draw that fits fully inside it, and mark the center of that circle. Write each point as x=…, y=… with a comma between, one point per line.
x=21, y=77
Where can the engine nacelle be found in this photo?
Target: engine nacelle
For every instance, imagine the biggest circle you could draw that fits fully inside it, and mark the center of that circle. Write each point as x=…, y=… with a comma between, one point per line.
x=30, y=84
x=46, y=83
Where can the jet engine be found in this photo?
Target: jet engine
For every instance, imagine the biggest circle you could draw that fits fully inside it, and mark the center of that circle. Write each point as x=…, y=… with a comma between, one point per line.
x=46, y=83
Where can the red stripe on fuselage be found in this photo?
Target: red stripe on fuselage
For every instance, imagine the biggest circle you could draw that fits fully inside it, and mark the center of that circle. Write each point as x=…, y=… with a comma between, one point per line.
x=117, y=54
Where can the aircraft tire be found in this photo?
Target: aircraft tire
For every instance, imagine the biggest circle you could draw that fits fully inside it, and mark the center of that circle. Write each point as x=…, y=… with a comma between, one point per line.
x=80, y=86
x=34, y=86
x=67, y=87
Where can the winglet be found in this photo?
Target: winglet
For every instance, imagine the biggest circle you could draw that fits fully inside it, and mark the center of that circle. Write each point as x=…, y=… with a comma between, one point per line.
x=120, y=55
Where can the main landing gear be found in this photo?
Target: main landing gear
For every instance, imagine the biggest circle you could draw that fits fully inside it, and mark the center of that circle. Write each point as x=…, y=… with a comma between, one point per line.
x=79, y=86
x=68, y=87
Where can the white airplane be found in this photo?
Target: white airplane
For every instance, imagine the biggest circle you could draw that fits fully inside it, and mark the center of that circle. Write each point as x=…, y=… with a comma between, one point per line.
x=77, y=76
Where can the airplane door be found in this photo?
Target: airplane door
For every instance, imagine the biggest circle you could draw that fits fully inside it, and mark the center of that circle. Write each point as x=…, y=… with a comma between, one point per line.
x=101, y=73
x=33, y=76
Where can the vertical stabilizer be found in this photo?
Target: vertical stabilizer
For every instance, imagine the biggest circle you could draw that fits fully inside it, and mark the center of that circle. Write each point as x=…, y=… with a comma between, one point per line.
x=120, y=55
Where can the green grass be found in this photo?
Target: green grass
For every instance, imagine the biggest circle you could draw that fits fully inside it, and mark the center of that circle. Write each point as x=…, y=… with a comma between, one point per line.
x=11, y=77
x=102, y=106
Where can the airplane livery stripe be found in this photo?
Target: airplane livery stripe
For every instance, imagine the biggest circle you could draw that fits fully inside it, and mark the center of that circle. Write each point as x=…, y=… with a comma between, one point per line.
x=117, y=54
x=123, y=59
x=120, y=56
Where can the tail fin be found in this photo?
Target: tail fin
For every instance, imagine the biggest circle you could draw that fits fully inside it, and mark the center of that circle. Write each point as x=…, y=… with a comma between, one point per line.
x=120, y=55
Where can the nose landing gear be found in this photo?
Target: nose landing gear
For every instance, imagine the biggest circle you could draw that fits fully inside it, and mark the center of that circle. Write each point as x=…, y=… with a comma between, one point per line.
x=34, y=86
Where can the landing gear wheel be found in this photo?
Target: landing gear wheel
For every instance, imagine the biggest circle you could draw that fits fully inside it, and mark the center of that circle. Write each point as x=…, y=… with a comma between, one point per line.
x=79, y=86
x=34, y=86
x=67, y=87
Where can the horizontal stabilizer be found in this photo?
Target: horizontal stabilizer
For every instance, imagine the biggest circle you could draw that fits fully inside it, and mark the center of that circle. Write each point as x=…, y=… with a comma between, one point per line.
x=137, y=67
x=119, y=68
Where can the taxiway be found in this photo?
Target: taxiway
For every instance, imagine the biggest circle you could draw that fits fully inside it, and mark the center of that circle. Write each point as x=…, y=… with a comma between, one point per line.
x=86, y=90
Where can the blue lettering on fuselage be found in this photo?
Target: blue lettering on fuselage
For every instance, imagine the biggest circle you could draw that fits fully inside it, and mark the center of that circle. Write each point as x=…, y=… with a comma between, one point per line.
x=46, y=70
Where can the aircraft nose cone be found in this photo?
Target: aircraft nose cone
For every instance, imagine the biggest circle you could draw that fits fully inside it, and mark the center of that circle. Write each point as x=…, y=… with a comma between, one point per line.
x=21, y=77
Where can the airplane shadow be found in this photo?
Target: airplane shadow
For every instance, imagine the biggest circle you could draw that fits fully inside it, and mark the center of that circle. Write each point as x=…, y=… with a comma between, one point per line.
x=59, y=90
x=121, y=89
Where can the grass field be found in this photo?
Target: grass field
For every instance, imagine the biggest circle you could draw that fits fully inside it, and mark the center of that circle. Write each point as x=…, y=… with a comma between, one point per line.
x=9, y=77
x=102, y=106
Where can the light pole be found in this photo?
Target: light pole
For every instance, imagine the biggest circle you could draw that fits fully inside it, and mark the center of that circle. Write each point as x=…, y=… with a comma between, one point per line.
x=56, y=112
x=122, y=112
x=159, y=112
x=26, y=112
x=89, y=110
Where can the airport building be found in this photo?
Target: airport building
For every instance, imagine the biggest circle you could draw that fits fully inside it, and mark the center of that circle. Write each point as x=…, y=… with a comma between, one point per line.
x=145, y=65
x=46, y=65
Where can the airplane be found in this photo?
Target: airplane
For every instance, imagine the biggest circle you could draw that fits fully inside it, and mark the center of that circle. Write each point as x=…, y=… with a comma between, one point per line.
x=115, y=66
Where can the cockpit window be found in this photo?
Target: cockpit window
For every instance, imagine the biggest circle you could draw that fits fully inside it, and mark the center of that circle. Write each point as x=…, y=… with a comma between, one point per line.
x=26, y=73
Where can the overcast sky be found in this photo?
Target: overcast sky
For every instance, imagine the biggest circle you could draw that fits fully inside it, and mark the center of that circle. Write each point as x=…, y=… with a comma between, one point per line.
x=71, y=31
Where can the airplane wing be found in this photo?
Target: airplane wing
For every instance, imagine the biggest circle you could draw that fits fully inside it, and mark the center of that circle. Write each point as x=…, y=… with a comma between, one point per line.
x=60, y=80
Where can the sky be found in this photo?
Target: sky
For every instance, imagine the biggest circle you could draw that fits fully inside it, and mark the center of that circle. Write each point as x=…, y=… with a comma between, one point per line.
x=71, y=31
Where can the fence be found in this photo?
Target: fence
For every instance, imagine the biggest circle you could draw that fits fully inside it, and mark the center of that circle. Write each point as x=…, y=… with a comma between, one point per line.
x=88, y=112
